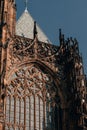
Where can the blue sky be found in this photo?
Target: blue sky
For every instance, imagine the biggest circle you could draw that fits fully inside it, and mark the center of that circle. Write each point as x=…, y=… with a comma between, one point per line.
x=69, y=15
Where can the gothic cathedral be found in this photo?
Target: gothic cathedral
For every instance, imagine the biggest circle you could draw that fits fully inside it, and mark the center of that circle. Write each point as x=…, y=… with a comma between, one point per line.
x=42, y=86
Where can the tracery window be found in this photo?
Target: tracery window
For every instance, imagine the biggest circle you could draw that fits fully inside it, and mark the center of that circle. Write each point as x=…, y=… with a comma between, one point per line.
x=29, y=101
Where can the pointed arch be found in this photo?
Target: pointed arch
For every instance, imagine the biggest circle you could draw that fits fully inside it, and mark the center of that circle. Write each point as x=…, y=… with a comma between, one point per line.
x=32, y=87
x=47, y=69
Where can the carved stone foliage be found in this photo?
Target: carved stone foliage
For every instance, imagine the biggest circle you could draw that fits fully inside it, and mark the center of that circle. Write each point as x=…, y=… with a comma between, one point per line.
x=22, y=49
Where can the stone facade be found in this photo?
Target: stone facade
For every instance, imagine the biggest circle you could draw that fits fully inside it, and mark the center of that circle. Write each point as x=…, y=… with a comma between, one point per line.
x=42, y=86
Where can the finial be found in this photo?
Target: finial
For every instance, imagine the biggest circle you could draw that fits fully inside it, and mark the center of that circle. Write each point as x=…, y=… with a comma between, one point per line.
x=35, y=29
x=26, y=5
x=61, y=37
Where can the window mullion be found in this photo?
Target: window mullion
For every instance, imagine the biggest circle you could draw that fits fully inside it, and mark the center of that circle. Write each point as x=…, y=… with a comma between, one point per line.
x=19, y=111
x=44, y=114
x=34, y=112
x=29, y=113
x=15, y=112
x=9, y=108
x=39, y=114
x=24, y=113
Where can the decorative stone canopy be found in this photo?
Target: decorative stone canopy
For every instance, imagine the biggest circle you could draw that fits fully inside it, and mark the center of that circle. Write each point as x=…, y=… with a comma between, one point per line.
x=25, y=26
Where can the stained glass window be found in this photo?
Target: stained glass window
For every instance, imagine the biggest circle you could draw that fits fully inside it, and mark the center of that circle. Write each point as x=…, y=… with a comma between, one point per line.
x=28, y=101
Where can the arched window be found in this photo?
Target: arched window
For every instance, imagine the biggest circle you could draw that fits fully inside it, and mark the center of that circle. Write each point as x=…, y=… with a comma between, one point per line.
x=29, y=101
